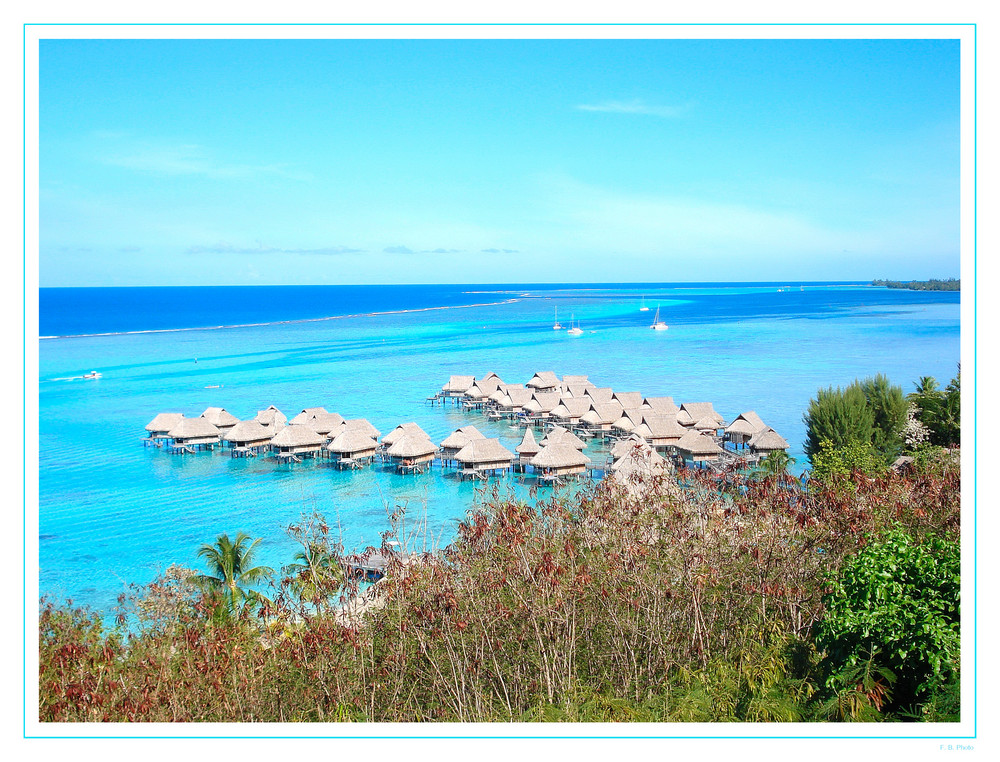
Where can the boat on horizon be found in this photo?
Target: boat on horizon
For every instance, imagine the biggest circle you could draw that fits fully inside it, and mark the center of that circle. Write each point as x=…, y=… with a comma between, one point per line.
x=574, y=330
x=557, y=326
x=644, y=308
x=658, y=325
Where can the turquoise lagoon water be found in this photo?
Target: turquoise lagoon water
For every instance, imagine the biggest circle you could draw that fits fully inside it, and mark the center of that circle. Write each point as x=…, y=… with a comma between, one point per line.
x=112, y=512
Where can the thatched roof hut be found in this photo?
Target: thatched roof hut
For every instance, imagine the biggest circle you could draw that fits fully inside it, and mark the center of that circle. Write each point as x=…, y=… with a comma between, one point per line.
x=271, y=416
x=528, y=447
x=575, y=391
x=560, y=460
x=602, y=415
x=544, y=380
x=640, y=463
x=767, y=441
x=402, y=430
x=559, y=435
x=457, y=385
x=660, y=430
x=248, y=434
x=485, y=455
x=515, y=398
x=412, y=449
x=194, y=431
x=744, y=426
x=297, y=438
x=576, y=381
x=697, y=447
x=325, y=424
x=162, y=423
x=542, y=404
x=221, y=418
x=628, y=399
x=307, y=413
x=602, y=394
x=571, y=409
x=628, y=420
x=489, y=384
x=661, y=405
x=692, y=412
x=361, y=424
x=459, y=439
x=706, y=424
x=353, y=443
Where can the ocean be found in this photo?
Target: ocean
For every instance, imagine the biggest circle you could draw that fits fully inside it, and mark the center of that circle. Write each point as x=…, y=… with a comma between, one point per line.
x=112, y=512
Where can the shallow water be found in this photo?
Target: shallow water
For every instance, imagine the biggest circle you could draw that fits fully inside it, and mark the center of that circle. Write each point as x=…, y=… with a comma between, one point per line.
x=112, y=511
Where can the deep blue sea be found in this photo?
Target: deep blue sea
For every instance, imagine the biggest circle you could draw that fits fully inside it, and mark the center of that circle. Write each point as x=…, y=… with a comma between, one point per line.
x=112, y=512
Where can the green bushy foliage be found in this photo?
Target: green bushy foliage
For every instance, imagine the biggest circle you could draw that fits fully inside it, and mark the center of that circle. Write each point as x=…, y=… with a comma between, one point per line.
x=894, y=605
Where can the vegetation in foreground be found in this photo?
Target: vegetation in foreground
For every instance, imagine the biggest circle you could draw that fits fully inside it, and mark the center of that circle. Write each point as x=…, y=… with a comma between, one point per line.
x=745, y=597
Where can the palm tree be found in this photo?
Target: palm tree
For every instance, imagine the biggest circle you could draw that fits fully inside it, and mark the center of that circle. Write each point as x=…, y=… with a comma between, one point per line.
x=232, y=565
x=776, y=463
x=316, y=573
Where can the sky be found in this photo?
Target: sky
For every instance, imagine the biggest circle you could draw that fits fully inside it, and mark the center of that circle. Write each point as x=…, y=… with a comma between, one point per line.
x=232, y=162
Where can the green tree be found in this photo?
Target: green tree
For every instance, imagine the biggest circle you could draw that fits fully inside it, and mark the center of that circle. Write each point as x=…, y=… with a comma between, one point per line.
x=231, y=564
x=838, y=416
x=888, y=406
x=896, y=600
x=940, y=409
x=316, y=572
x=833, y=461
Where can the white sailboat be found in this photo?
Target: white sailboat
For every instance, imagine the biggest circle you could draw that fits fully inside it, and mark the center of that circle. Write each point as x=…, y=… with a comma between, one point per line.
x=557, y=326
x=644, y=308
x=658, y=325
x=575, y=330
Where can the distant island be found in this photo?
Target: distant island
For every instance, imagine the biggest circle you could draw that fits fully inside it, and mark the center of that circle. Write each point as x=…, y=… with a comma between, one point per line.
x=951, y=284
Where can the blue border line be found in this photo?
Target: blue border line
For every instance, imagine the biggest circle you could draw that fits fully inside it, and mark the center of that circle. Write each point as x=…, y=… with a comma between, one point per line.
x=975, y=334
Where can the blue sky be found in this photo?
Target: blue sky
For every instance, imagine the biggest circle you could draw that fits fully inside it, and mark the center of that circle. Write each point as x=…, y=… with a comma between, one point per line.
x=331, y=161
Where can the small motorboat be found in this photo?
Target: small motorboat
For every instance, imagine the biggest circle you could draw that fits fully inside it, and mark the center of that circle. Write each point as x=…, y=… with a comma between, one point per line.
x=93, y=374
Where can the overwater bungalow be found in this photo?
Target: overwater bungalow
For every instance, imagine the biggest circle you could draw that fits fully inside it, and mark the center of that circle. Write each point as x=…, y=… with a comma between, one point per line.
x=190, y=434
x=411, y=452
x=575, y=391
x=743, y=427
x=307, y=413
x=628, y=399
x=600, y=394
x=457, y=386
x=402, y=430
x=514, y=399
x=271, y=417
x=559, y=435
x=766, y=441
x=601, y=416
x=457, y=440
x=627, y=421
x=248, y=438
x=544, y=381
x=707, y=425
x=692, y=412
x=360, y=424
x=697, y=448
x=221, y=418
x=576, y=381
x=541, y=405
x=482, y=455
x=476, y=397
x=162, y=423
x=296, y=441
x=325, y=424
x=556, y=461
x=660, y=431
x=570, y=410
x=353, y=448
x=661, y=405
x=528, y=448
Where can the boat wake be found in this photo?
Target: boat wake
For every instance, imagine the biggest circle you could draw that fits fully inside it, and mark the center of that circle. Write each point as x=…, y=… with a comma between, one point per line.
x=276, y=322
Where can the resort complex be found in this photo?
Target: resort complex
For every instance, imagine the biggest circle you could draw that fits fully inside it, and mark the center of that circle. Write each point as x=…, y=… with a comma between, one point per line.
x=561, y=418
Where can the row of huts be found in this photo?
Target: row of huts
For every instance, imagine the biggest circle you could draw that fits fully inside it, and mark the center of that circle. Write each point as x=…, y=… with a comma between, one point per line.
x=693, y=432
